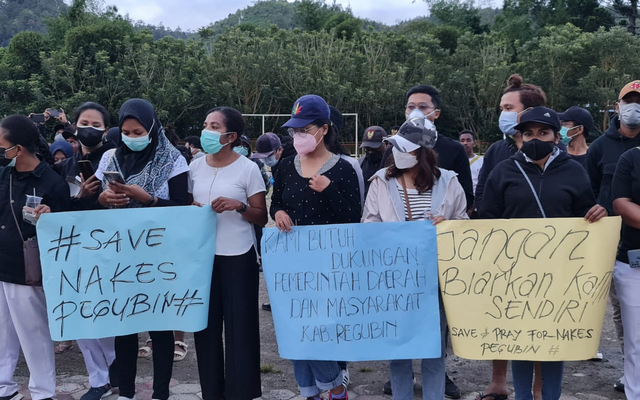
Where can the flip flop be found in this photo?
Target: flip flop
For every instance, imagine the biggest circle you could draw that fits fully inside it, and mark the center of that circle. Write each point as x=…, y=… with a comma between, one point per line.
x=145, y=351
x=180, y=355
x=494, y=396
x=62, y=347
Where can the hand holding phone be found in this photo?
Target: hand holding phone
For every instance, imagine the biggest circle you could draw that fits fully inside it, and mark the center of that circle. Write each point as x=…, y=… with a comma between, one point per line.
x=86, y=169
x=113, y=176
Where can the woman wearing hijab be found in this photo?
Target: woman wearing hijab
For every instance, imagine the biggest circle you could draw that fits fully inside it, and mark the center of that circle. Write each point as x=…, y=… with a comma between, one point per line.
x=155, y=175
x=231, y=185
x=316, y=187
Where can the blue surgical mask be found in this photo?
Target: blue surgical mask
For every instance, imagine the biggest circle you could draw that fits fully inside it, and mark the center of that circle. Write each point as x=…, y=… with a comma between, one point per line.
x=136, y=143
x=241, y=150
x=11, y=163
x=508, y=121
x=210, y=141
x=270, y=161
x=564, y=135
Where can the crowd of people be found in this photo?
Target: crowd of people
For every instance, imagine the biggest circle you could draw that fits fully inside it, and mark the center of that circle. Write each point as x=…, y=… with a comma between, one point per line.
x=542, y=168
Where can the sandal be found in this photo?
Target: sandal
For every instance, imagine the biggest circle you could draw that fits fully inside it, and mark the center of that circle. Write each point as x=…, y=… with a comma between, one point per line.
x=145, y=351
x=180, y=355
x=494, y=396
x=62, y=347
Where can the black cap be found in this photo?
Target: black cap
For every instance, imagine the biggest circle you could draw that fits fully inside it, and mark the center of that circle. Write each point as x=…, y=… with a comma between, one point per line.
x=373, y=137
x=541, y=115
x=579, y=116
x=245, y=140
x=67, y=133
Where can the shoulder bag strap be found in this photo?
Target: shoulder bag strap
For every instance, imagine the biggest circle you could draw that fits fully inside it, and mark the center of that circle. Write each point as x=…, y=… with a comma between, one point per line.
x=11, y=204
x=476, y=158
x=532, y=189
x=406, y=197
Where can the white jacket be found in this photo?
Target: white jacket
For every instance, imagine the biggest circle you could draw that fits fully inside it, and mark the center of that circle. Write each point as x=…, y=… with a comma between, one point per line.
x=384, y=203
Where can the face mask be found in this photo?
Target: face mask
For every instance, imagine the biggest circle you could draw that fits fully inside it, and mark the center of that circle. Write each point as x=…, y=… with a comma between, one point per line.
x=404, y=160
x=305, y=145
x=8, y=162
x=58, y=137
x=210, y=141
x=564, y=135
x=374, y=156
x=418, y=114
x=137, y=143
x=508, y=121
x=270, y=161
x=630, y=115
x=241, y=150
x=537, y=149
x=89, y=136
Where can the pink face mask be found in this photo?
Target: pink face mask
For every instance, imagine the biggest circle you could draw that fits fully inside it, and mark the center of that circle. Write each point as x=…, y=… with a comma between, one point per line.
x=305, y=145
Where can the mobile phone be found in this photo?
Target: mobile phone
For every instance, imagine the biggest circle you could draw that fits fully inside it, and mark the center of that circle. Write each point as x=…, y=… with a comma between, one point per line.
x=113, y=176
x=86, y=169
x=55, y=113
x=37, y=118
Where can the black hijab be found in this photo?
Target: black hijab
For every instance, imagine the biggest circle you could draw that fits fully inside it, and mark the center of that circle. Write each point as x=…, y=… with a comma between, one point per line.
x=133, y=162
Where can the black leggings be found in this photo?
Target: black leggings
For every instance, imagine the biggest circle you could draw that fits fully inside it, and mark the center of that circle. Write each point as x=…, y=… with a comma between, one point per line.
x=127, y=356
x=234, y=373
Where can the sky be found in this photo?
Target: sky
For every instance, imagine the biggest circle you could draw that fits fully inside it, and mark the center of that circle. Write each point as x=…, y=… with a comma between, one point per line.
x=193, y=14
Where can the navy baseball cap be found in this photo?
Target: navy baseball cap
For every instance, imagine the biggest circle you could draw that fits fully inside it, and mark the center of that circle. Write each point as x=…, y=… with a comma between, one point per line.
x=245, y=140
x=541, y=115
x=306, y=110
x=373, y=137
x=266, y=145
x=578, y=115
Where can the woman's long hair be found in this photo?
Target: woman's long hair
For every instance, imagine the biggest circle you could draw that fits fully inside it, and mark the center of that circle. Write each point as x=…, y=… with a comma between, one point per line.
x=428, y=170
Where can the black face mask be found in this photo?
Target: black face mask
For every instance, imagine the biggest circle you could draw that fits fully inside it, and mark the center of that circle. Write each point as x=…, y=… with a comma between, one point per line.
x=374, y=156
x=4, y=162
x=89, y=136
x=537, y=149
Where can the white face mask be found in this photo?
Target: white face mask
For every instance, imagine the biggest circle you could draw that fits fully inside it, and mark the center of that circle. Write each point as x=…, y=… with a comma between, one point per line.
x=404, y=160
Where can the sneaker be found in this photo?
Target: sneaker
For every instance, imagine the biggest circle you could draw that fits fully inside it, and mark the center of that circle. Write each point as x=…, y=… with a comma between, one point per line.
x=451, y=390
x=619, y=386
x=97, y=393
x=266, y=306
x=345, y=378
x=15, y=396
x=599, y=357
x=346, y=395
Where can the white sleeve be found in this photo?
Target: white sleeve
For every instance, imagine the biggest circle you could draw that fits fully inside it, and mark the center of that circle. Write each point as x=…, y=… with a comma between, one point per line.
x=104, y=163
x=179, y=167
x=356, y=166
x=254, y=182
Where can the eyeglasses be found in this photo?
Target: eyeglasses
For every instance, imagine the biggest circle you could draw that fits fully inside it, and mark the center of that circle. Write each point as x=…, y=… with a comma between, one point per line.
x=3, y=152
x=422, y=107
x=302, y=132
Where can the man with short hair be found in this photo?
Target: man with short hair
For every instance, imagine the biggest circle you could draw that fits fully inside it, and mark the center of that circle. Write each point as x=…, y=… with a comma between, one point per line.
x=576, y=125
x=469, y=141
x=602, y=158
x=371, y=161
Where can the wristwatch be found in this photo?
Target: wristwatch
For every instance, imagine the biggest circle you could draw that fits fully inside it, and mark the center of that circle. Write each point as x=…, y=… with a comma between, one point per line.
x=243, y=209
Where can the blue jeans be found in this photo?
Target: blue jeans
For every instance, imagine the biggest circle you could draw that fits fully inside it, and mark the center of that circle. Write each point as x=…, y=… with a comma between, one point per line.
x=315, y=377
x=551, y=379
x=433, y=381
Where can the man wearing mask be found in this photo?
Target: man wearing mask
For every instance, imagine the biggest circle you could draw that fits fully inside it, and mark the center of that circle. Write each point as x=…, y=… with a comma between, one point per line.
x=268, y=149
x=602, y=158
x=372, y=144
x=451, y=154
x=576, y=124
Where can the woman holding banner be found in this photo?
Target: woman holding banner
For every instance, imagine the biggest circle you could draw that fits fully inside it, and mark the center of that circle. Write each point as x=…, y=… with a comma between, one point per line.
x=540, y=181
x=233, y=187
x=315, y=187
x=23, y=310
x=626, y=275
x=152, y=173
x=413, y=188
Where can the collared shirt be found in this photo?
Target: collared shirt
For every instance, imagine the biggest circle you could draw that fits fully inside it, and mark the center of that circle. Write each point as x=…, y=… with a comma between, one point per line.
x=54, y=192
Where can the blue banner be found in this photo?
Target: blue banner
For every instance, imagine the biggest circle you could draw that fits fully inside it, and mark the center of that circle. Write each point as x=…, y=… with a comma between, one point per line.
x=354, y=292
x=117, y=272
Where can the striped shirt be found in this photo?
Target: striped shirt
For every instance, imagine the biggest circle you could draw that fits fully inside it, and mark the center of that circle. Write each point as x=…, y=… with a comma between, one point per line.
x=419, y=203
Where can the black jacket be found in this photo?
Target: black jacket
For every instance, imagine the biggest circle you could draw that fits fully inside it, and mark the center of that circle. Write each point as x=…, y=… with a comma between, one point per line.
x=497, y=153
x=54, y=192
x=451, y=156
x=563, y=189
x=602, y=158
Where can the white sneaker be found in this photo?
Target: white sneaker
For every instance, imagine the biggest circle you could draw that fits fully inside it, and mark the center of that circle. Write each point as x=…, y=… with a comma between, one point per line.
x=598, y=357
x=345, y=377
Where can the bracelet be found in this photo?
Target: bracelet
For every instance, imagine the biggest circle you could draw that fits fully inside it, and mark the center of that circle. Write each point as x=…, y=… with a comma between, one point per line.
x=150, y=202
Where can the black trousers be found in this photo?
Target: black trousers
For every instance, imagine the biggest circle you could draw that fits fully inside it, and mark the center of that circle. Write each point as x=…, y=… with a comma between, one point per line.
x=127, y=356
x=231, y=372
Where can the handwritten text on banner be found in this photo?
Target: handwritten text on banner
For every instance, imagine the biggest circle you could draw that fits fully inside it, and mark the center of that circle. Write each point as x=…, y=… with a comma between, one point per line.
x=116, y=272
x=526, y=289
x=354, y=292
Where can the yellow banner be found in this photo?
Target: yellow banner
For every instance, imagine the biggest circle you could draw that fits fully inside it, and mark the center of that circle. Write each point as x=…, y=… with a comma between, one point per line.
x=526, y=289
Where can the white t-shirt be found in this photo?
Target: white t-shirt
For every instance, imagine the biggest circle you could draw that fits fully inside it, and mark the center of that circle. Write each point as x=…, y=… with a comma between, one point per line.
x=239, y=180
x=475, y=169
x=179, y=167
